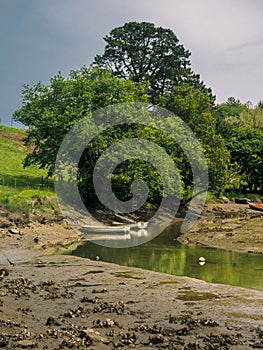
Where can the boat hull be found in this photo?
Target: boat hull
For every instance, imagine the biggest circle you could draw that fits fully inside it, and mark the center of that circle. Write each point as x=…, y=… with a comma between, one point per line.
x=115, y=229
x=255, y=206
x=241, y=200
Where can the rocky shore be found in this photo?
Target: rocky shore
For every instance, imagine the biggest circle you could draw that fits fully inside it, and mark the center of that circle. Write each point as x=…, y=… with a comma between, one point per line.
x=54, y=301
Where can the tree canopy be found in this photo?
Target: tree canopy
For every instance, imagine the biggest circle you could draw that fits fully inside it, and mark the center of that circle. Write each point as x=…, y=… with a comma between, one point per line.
x=51, y=110
x=144, y=52
x=242, y=129
x=194, y=107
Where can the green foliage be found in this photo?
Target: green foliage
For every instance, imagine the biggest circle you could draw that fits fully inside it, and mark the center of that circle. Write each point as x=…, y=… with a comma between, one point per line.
x=246, y=148
x=139, y=166
x=194, y=107
x=143, y=52
x=231, y=108
x=50, y=111
x=260, y=104
x=252, y=118
x=242, y=128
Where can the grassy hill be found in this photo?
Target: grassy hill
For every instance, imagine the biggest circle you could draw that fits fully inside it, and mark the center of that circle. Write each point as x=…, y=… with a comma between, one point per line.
x=12, y=172
x=24, y=192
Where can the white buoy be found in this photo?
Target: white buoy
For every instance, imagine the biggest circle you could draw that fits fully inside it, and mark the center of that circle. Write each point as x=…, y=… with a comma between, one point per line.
x=201, y=259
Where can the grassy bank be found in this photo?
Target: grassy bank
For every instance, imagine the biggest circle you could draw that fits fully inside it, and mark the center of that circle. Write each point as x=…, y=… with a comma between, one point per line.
x=25, y=193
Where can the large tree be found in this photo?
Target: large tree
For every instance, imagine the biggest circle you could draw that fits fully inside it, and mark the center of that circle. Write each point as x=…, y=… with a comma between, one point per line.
x=51, y=110
x=142, y=51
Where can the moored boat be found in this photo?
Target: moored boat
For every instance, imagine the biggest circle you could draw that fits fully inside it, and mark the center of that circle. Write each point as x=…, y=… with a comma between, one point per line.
x=115, y=229
x=111, y=229
x=256, y=206
x=241, y=200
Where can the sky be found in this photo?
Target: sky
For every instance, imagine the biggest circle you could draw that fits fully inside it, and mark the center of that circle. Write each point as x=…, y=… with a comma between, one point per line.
x=40, y=38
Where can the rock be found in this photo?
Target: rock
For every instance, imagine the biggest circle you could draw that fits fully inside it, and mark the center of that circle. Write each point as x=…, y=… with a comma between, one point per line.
x=4, y=223
x=3, y=341
x=52, y=321
x=93, y=336
x=14, y=231
x=157, y=339
x=3, y=272
x=26, y=344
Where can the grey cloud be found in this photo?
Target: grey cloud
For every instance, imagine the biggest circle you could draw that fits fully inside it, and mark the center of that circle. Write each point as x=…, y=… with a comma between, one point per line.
x=247, y=45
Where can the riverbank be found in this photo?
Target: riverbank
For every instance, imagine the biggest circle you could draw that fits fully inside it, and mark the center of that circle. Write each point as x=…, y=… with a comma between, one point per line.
x=53, y=301
x=228, y=226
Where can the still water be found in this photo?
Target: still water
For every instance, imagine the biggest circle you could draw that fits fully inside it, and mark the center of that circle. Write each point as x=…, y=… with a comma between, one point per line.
x=165, y=254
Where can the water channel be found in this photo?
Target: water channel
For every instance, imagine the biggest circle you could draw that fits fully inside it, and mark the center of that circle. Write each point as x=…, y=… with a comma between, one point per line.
x=165, y=254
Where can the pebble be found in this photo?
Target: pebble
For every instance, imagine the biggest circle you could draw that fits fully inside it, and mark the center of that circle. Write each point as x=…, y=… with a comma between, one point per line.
x=14, y=231
x=25, y=344
x=93, y=336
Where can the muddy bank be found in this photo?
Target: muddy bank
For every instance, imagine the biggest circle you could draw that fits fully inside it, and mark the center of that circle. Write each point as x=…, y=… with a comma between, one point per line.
x=222, y=225
x=228, y=226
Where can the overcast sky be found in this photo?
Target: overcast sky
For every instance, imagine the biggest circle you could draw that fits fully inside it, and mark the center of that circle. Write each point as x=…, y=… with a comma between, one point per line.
x=41, y=37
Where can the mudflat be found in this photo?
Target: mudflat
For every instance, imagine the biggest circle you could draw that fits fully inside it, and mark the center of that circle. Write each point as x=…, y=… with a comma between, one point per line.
x=54, y=301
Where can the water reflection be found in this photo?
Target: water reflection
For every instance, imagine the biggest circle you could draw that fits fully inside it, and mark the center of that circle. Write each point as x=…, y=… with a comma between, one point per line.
x=166, y=255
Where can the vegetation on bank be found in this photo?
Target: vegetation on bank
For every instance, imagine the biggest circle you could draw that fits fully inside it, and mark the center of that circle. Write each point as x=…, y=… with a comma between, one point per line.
x=241, y=126
x=25, y=193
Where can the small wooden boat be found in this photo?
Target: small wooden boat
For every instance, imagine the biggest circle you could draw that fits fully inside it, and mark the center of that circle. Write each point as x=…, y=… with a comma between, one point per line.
x=256, y=206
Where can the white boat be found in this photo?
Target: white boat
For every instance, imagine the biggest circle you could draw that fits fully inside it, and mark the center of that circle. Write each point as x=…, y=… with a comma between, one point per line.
x=110, y=229
x=106, y=236
x=115, y=229
x=139, y=225
x=139, y=233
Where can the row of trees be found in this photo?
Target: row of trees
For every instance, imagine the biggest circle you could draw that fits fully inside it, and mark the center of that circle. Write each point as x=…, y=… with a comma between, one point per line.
x=140, y=63
x=241, y=126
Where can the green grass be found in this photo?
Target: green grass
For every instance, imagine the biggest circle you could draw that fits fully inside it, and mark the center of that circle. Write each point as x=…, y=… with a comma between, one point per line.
x=22, y=190
x=12, y=172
